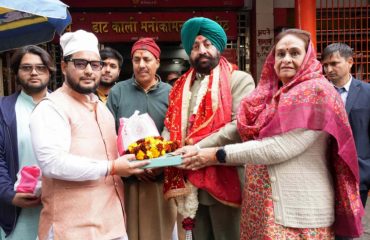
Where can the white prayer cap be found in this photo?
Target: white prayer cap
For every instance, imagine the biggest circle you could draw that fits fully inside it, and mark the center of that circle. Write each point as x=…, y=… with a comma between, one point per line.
x=80, y=40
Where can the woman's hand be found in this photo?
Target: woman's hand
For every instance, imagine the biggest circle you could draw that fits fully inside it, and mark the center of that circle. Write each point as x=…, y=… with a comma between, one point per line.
x=201, y=158
x=123, y=167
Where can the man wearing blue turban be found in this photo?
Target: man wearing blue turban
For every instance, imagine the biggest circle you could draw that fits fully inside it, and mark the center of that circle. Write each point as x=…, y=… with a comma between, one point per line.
x=201, y=113
x=205, y=27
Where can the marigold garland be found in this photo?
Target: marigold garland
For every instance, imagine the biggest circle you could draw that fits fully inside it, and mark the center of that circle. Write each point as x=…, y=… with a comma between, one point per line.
x=151, y=147
x=187, y=206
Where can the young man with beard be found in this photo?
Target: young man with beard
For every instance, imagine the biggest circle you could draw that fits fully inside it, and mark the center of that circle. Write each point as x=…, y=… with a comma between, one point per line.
x=337, y=61
x=149, y=215
x=19, y=212
x=201, y=113
x=112, y=63
x=75, y=144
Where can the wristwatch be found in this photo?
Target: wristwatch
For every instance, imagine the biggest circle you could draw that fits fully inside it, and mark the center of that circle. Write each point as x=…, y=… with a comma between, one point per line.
x=221, y=155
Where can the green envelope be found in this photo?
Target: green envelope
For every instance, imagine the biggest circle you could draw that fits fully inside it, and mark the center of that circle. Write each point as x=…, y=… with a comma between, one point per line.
x=164, y=161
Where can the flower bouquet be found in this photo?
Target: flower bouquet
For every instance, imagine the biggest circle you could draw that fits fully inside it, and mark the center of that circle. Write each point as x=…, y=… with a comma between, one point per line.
x=151, y=147
x=156, y=149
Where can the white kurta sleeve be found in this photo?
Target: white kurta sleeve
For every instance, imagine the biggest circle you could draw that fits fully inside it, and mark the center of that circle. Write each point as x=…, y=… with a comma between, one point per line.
x=51, y=140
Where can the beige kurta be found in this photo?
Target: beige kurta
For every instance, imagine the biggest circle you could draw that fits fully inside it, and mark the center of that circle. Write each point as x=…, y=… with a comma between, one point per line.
x=150, y=217
x=214, y=219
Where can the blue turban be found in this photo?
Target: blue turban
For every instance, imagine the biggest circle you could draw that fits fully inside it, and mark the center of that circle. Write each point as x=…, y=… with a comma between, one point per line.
x=205, y=27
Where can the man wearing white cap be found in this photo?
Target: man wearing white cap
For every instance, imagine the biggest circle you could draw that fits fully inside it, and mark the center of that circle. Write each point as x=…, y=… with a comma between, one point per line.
x=74, y=140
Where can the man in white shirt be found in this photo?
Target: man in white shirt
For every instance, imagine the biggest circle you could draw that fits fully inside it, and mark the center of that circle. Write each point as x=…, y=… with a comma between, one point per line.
x=20, y=211
x=74, y=139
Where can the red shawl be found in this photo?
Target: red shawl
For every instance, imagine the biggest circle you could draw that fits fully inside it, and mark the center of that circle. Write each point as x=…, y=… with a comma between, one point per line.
x=213, y=113
x=308, y=101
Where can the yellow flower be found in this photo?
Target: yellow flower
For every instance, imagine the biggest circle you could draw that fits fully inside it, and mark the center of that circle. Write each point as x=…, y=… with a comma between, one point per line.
x=155, y=152
x=132, y=146
x=149, y=154
x=151, y=147
x=140, y=155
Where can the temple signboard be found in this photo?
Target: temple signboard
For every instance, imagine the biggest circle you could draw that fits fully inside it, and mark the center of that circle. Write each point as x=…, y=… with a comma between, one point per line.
x=125, y=27
x=152, y=3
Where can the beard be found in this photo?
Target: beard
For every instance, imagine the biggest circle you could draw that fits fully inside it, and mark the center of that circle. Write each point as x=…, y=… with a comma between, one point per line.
x=81, y=89
x=31, y=88
x=107, y=84
x=205, y=68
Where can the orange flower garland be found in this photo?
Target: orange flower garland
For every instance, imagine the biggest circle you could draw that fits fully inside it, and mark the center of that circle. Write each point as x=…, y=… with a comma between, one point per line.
x=151, y=147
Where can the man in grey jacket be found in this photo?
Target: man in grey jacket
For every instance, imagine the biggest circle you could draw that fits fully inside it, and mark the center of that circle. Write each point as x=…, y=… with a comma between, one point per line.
x=149, y=216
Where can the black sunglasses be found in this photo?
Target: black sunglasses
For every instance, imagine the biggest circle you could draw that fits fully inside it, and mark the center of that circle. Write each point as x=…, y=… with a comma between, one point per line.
x=81, y=64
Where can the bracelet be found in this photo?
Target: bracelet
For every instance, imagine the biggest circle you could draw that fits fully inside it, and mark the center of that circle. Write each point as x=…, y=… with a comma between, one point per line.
x=113, y=169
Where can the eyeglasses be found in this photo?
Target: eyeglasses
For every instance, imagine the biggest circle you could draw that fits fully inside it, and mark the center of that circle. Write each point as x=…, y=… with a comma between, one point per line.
x=40, y=68
x=81, y=64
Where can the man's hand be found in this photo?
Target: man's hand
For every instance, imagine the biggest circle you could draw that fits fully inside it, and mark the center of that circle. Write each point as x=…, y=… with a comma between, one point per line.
x=123, y=167
x=200, y=159
x=26, y=200
x=149, y=175
x=187, y=150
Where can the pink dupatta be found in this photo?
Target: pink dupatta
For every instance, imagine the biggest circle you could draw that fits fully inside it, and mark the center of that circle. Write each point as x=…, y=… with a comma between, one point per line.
x=308, y=101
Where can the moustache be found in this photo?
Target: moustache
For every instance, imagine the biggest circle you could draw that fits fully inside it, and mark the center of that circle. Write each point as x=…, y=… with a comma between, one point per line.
x=89, y=79
x=203, y=56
